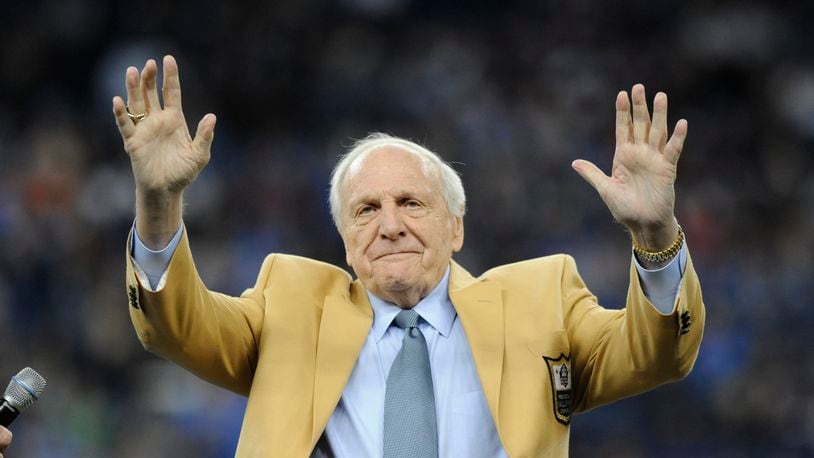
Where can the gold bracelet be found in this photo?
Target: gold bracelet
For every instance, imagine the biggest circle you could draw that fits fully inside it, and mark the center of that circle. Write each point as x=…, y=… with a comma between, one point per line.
x=663, y=255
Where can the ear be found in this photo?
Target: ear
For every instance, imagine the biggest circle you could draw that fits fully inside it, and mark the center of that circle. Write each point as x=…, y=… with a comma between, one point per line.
x=347, y=252
x=347, y=258
x=457, y=234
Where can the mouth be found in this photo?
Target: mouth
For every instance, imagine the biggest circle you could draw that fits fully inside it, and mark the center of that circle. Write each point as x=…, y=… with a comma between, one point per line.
x=395, y=256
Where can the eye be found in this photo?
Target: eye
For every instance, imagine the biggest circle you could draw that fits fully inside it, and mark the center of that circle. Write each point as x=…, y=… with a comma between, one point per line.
x=365, y=210
x=414, y=208
x=413, y=204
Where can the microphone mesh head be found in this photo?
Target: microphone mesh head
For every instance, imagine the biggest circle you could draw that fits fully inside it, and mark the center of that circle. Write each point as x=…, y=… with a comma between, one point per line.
x=24, y=388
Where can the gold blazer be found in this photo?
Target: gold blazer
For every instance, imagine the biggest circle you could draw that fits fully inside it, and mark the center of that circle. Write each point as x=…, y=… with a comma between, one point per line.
x=290, y=343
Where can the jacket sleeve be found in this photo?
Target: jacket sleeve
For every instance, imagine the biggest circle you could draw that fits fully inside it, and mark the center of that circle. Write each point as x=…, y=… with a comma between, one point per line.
x=620, y=353
x=213, y=335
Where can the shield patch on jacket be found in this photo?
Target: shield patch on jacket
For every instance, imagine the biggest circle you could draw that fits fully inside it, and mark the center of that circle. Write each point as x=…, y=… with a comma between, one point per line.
x=559, y=369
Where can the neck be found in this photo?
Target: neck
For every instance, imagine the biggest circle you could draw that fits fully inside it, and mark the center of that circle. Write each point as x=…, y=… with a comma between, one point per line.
x=408, y=298
x=404, y=299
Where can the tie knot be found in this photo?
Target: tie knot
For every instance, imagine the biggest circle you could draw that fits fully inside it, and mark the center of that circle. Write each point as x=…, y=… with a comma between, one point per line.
x=406, y=319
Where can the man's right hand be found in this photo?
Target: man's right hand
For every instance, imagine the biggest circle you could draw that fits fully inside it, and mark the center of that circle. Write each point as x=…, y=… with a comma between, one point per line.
x=164, y=157
x=5, y=440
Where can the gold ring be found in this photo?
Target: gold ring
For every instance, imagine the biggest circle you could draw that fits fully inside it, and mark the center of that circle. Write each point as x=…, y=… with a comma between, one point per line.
x=135, y=117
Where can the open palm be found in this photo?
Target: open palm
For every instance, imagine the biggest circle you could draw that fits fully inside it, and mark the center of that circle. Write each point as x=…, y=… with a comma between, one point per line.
x=639, y=192
x=163, y=154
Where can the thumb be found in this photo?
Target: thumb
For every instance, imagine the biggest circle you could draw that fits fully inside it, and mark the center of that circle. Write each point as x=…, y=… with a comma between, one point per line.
x=591, y=173
x=205, y=133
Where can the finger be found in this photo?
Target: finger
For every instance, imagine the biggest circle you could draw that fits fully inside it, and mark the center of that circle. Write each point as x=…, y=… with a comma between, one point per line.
x=135, y=97
x=123, y=122
x=148, y=86
x=658, y=131
x=5, y=439
x=591, y=174
x=673, y=149
x=172, y=83
x=205, y=134
x=624, y=126
x=641, y=119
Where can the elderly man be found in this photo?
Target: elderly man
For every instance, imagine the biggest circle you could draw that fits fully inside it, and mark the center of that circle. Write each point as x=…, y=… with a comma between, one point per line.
x=416, y=357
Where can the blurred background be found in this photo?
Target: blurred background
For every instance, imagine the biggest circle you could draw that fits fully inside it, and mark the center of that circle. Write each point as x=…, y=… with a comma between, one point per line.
x=509, y=91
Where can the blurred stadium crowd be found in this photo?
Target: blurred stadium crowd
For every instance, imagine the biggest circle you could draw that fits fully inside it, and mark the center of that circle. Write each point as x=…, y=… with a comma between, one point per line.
x=510, y=93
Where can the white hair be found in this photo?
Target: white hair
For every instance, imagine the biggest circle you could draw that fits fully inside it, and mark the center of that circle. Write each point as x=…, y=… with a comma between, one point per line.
x=451, y=187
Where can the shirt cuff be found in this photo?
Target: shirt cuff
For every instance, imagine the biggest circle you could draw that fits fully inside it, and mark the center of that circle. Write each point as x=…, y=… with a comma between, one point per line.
x=661, y=285
x=151, y=265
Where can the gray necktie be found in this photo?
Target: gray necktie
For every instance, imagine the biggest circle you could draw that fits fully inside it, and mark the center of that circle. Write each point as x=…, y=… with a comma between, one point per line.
x=409, y=404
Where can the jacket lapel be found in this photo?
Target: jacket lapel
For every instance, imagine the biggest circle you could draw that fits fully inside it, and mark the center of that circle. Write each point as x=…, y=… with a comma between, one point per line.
x=479, y=304
x=343, y=328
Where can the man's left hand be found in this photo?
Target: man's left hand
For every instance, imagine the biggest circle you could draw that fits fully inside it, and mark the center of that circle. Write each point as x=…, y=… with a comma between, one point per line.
x=640, y=192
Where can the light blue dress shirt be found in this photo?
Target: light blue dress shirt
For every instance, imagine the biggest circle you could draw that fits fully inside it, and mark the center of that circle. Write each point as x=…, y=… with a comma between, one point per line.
x=465, y=426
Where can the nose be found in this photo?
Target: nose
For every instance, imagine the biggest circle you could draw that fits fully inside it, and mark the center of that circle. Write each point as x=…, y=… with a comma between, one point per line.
x=391, y=225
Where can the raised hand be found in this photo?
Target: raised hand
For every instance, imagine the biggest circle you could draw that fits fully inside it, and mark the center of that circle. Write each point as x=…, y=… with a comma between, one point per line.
x=164, y=157
x=639, y=192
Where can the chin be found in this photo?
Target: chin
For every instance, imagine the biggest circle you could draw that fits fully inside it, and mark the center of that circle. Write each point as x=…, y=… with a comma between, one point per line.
x=396, y=283
x=402, y=273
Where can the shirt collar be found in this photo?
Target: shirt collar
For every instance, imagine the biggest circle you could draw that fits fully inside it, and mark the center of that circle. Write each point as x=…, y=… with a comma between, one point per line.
x=436, y=309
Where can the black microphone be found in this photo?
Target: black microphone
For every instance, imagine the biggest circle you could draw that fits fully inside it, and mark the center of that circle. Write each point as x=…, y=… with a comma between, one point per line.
x=23, y=389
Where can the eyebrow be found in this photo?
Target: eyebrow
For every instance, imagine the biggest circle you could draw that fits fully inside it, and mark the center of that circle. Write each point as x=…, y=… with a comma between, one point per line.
x=356, y=201
x=371, y=197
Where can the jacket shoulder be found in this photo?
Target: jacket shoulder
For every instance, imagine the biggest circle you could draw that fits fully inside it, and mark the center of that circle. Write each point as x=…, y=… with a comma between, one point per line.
x=292, y=270
x=533, y=268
